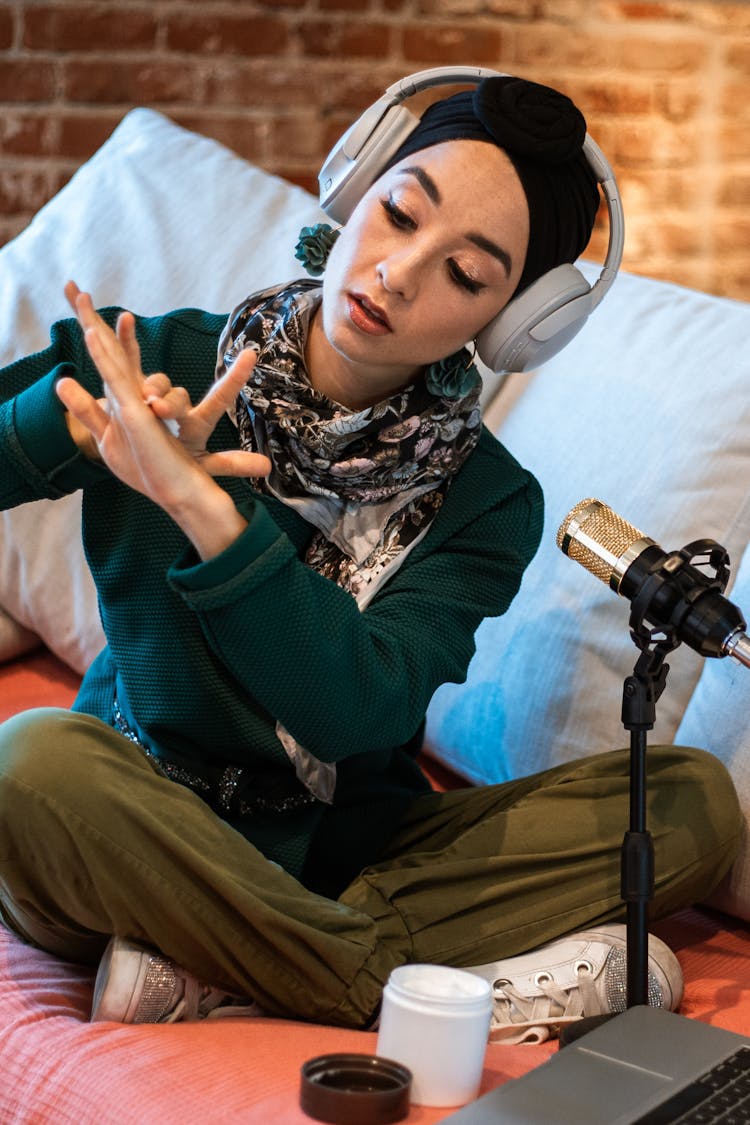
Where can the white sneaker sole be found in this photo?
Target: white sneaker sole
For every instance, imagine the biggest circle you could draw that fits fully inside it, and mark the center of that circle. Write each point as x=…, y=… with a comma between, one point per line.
x=119, y=982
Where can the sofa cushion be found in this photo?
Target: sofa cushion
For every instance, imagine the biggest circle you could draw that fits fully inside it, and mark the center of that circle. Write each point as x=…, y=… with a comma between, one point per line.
x=157, y=219
x=648, y=410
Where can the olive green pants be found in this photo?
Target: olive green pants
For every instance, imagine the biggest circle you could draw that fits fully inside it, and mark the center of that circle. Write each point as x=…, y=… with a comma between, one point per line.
x=93, y=841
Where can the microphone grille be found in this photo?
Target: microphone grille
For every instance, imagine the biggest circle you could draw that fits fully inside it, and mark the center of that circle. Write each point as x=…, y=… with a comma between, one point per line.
x=596, y=537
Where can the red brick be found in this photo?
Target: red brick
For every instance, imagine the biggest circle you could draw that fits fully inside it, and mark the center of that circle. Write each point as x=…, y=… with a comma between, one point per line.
x=731, y=279
x=300, y=136
x=545, y=45
x=735, y=101
x=662, y=54
x=643, y=190
x=239, y=133
x=306, y=180
x=232, y=81
x=657, y=144
x=597, y=96
x=326, y=39
x=734, y=191
x=645, y=11
x=451, y=44
x=112, y=82
x=678, y=101
x=13, y=226
x=731, y=233
x=563, y=11
x=24, y=134
x=26, y=188
x=738, y=56
x=7, y=26
x=679, y=238
x=224, y=34
x=87, y=27
x=80, y=135
x=336, y=5
x=24, y=80
x=733, y=141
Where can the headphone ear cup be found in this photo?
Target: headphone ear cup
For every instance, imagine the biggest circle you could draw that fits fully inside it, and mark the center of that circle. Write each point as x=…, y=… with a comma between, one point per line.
x=537, y=323
x=345, y=178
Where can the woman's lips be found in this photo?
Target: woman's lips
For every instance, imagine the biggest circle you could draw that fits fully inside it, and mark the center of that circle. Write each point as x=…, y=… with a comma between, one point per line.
x=367, y=316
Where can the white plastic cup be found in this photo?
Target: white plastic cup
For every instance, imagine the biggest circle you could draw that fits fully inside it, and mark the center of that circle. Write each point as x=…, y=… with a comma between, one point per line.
x=436, y=1020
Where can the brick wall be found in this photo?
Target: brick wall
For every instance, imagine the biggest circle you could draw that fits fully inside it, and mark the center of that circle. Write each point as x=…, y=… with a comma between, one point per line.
x=665, y=87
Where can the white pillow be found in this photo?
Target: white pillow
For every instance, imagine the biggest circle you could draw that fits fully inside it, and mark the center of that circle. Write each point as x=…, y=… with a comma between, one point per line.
x=159, y=218
x=648, y=410
x=718, y=719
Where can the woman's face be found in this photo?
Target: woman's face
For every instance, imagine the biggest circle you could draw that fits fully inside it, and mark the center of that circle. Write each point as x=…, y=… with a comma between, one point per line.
x=430, y=255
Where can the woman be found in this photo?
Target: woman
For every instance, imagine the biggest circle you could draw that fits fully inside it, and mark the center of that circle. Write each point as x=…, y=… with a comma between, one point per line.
x=287, y=570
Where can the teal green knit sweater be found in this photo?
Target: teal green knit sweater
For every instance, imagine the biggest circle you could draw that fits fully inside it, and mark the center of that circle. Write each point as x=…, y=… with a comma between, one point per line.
x=205, y=657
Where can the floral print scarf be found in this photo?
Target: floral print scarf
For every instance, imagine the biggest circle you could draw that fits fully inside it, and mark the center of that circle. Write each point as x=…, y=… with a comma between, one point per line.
x=371, y=481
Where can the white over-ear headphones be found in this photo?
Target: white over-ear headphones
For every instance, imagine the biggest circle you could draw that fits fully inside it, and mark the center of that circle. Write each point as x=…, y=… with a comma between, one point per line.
x=541, y=320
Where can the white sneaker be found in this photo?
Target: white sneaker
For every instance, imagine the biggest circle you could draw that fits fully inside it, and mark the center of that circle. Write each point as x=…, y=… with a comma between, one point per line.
x=136, y=984
x=581, y=974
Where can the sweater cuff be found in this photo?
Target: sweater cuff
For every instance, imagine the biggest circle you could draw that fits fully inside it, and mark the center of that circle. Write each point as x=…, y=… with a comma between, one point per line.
x=43, y=436
x=257, y=553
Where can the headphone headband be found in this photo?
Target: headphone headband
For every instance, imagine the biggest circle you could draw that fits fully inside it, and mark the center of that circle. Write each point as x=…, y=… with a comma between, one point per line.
x=536, y=323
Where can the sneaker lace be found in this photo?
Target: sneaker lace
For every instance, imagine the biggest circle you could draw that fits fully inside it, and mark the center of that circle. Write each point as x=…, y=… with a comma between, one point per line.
x=533, y=1019
x=199, y=1001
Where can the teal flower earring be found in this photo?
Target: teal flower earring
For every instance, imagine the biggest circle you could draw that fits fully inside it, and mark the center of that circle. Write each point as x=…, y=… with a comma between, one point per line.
x=314, y=246
x=452, y=377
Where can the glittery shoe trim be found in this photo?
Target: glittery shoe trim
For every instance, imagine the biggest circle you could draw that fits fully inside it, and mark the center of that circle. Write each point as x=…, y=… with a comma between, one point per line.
x=159, y=992
x=616, y=982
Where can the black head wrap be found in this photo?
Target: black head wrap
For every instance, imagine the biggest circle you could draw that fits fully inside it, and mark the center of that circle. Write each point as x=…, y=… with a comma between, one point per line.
x=542, y=132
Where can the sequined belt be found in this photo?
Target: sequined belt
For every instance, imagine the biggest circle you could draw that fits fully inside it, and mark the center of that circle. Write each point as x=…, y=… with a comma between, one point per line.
x=230, y=790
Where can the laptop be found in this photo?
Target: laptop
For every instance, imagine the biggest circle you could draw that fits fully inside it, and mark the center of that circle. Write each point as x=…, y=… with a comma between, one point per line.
x=645, y=1066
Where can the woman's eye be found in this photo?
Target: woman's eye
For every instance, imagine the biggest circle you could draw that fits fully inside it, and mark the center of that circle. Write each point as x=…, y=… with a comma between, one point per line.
x=398, y=217
x=463, y=279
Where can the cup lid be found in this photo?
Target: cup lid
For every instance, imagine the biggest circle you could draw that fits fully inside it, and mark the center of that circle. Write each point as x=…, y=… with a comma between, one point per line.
x=351, y=1089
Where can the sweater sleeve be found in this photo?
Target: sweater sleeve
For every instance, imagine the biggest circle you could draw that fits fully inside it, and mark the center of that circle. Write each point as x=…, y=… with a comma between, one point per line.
x=299, y=644
x=38, y=458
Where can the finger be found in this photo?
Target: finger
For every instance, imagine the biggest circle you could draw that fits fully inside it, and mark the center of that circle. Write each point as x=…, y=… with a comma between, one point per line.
x=71, y=291
x=129, y=341
x=109, y=349
x=122, y=378
x=156, y=385
x=236, y=463
x=174, y=404
x=222, y=394
x=83, y=406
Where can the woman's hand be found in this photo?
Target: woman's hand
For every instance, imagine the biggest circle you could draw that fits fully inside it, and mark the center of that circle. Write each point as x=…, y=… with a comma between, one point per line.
x=150, y=435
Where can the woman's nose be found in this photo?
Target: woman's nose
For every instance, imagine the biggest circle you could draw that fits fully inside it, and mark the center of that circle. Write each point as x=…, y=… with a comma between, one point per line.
x=399, y=273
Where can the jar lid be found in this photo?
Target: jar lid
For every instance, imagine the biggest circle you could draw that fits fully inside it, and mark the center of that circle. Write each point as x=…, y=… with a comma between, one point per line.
x=349, y=1089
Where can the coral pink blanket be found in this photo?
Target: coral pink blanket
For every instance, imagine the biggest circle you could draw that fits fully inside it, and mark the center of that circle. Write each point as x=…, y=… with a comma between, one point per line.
x=57, y=1068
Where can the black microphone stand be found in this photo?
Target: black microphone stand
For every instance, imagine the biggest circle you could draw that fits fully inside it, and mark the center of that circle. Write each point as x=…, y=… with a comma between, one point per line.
x=640, y=694
x=669, y=596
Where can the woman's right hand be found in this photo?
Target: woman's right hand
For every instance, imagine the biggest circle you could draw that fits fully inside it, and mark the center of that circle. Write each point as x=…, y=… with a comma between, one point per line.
x=151, y=436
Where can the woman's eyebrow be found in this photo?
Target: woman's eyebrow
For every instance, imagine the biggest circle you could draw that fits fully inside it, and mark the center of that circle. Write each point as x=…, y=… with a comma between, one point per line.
x=431, y=189
x=426, y=182
x=492, y=248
